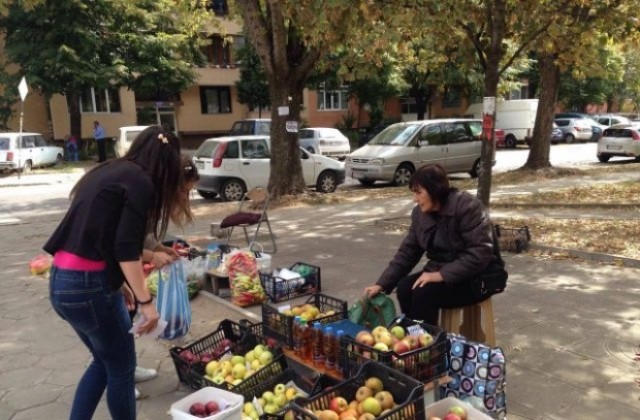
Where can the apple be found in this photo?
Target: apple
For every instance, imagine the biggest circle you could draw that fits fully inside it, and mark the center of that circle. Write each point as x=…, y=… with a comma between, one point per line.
x=350, y=414
x=398, y=332
x=378, y=330
x=353, y=405
x=412, y=341
x=255, y=365
x=452, y=416
x=365, y=337
x=211, y=368
x=371, y=405
x=271, y=408
x=237, y=360
x=338, y=404
x=280, y=389
x=291, y=393
x=401, y=347
x=375, y=384
x=218, y=379
x=212, y=407
x=425, y=339
x=280, y=400
x=381, y=347
x=363, y=393
x=236, y=382
x=327, y=415
x=239, y=371
x=458, y=411
x=367, y=416
x=265, y=358
x=268, y=396
x=385, y=398
x=384, y=337
x=188, y=356
x=250, y=356
x=248, y=407
x=197, y=409
x=258, y=350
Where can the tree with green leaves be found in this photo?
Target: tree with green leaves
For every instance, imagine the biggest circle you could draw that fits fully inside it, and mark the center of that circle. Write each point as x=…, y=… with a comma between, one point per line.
x=253, y=89
x=66, y=46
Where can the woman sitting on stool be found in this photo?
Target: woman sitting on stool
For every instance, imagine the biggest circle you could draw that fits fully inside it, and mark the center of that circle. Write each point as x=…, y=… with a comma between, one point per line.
x=454, y=230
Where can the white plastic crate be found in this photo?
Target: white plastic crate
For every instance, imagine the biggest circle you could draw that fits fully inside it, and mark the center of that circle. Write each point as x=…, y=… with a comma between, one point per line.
x=180, y=409
x=441, y=408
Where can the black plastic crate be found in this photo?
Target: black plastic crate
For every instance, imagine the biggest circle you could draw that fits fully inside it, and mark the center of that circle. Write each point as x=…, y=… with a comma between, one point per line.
x=407, y=393
x=424, y=364
x=280, y=326
x=279, y=289
x=513, y=239
x=247, y=343
x=219, y=342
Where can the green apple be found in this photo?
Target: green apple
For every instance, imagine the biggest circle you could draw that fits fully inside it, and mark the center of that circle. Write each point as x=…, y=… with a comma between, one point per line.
x=255, y=365
x=250, y=356
x=268, y=396
x=236, y=382
x=258, y=350
x=265, y=358
x=398, y=332
x=237, y=360
x=371, y=405
x=279, y=389
x=280, y=400
x=218, y=379
x=239, y=371
x=247, y=408
x=211, y=368
x=271, y=408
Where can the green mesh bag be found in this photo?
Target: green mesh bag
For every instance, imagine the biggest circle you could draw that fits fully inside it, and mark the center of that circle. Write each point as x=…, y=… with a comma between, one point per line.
x=373, y=312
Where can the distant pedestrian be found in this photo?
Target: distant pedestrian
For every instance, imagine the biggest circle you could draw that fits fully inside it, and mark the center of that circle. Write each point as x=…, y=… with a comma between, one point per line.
x=72, y=147
x=98, y=135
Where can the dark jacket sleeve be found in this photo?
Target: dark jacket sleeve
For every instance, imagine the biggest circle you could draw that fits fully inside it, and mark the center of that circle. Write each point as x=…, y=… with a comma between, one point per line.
x=131, y=229
x=408, y=255
x=474, y=228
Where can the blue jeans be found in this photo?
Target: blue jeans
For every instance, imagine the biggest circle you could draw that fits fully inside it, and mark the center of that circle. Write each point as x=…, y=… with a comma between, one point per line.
x=99, y=316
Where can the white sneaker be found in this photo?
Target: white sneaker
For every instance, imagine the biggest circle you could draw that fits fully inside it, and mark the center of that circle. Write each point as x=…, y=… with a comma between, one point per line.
x=138, y=394
x=144, y=374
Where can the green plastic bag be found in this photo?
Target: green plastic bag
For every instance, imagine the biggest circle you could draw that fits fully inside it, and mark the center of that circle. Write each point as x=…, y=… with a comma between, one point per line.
x=373, y=312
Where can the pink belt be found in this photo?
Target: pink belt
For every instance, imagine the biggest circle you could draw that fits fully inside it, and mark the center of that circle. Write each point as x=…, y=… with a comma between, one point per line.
x=69, y=261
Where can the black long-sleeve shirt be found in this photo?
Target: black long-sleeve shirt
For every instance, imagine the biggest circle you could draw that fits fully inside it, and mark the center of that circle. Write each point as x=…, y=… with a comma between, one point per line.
x=107, y=218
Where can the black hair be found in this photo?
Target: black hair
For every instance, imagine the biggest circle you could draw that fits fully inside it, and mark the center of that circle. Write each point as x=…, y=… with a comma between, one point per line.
x=433, y=178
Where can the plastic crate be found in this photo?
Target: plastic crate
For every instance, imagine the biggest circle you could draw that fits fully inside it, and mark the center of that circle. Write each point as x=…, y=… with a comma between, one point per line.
x=248, y=342
x=227, y=330
x=279, y=289
x=513, y=239
x=407, y=393
x=280, y=326
x=180, y=409
x=424, y=364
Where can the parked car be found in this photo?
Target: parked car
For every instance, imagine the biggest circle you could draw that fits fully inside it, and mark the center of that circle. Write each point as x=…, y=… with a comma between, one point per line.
x=621, y=140
x=251, y=127
x=230, y=166
x=556, y=134
x=596, y=127
x=575, y=129
x=395, y=153
x=370, y=133
x=612, y=119
x=324, y=141
x=32, y=152
x=126, y=137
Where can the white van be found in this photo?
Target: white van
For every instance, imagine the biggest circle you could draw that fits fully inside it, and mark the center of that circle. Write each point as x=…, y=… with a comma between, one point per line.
x=324, y=141
x=395, y=153
x=127, y=134
x=33, y=151
x=516, y=117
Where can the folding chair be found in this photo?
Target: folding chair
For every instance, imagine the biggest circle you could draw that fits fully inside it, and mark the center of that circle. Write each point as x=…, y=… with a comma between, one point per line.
x=260, y=201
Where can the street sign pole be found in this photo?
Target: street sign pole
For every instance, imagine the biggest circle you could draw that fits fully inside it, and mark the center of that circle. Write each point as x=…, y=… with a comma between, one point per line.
x=23, y=89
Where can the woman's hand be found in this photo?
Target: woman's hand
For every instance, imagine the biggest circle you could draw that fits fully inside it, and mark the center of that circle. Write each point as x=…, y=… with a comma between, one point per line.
x=160, y=259
x=371, y=291
x=151, y=317
x=129, y=298
x=427, y=278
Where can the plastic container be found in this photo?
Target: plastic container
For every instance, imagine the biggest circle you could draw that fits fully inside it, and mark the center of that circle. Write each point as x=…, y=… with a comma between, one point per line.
x=180, y=409
x=305, y=334
x=297, y=337
x=279, y=289
x=441, y=408
x=224, y=339
x=214, y=256
x=280, y=326
x=317, y=344
x=407, y=393
x=424, y=364
x=339, y=356
x=329, y=348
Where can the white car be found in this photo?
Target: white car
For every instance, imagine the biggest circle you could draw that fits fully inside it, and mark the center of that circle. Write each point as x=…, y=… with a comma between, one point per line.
x=324, y=141
x=230, y=166
x=126, y=137
x=620, y=140
x=33, y=152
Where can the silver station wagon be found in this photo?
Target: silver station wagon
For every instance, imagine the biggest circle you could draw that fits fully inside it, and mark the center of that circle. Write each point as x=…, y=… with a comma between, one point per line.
x=394, y=154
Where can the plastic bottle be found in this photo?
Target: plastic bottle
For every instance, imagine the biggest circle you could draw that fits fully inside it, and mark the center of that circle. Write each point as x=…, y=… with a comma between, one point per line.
x=305, y=334
x=318, y=350
x=213, y=256
x=339, y=335
x=329, y=344
x=297, y=337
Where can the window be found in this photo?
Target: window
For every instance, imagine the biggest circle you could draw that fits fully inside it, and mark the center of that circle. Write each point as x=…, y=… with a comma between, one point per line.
x=431, y=133
x=455, y=133
x=562, y=123
x=215, y=100
x=232, y=151
x=329, y=100
x=40, y=141
x=254, y=149
x=28, y=142
x=476, y=129
x=219, y=7
x=100, y=100
x=451, y=98
x=408, y=106
x=217, y=52
x=5, y=143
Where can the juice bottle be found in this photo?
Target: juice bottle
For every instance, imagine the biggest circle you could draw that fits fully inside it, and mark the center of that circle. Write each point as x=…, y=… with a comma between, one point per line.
x=339, y=356
x=297, y=338
x=329, y=348
x=318, y=350
x=305, y=334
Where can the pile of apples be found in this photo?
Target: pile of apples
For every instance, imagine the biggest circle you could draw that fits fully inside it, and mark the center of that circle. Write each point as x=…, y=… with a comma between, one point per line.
x=271, y=401
x=371, y=401
x=307, y=312
x=396, y=339
x=235, y=369
x=204, y=410
x=207, y=356
x=454, y=413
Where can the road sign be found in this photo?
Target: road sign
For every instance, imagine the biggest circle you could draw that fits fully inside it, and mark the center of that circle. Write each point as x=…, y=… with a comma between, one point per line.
x=23, y=88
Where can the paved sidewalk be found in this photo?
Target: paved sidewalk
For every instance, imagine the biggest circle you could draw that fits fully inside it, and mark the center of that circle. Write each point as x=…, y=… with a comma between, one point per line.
x=569, y=328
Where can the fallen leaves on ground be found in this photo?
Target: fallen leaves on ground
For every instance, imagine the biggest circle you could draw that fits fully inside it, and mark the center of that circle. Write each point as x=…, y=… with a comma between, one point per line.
x=625, y=192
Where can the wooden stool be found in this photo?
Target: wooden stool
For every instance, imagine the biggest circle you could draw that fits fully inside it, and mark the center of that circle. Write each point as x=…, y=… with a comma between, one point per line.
x=468, y=321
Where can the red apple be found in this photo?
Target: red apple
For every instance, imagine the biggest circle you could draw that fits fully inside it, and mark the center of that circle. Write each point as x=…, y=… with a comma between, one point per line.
x=197, y=409
x=338, y=404
x=365, y=337
x=412, y=342
x=401, y=347
x=212, y=407
x=452, y=416
x=425, y=339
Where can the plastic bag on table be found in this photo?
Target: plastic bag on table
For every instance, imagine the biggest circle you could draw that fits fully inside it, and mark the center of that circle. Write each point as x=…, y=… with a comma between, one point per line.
x=40, y=264
x=194, y=271
x=173, y=300
x=244, y=280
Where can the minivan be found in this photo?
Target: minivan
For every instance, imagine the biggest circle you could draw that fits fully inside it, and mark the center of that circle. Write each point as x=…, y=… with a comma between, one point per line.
x=126, y=137
x=251, y=127
x=396, y=152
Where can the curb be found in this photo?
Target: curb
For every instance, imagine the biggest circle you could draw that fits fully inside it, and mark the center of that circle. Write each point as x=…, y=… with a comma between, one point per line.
x=584, y=255
x=567, y=205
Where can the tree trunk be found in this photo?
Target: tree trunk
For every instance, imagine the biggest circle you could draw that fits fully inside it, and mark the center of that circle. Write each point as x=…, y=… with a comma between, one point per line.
x=75, y=119
x=540, y=146
x=286, y=170
x=421, y=105
x=491, y=78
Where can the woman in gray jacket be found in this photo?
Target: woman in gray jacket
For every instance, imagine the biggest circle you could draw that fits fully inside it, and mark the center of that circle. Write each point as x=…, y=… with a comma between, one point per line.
x=454, y=230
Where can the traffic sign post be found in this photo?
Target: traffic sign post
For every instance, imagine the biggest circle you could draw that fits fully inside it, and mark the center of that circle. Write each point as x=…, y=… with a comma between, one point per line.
x=23, y=89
